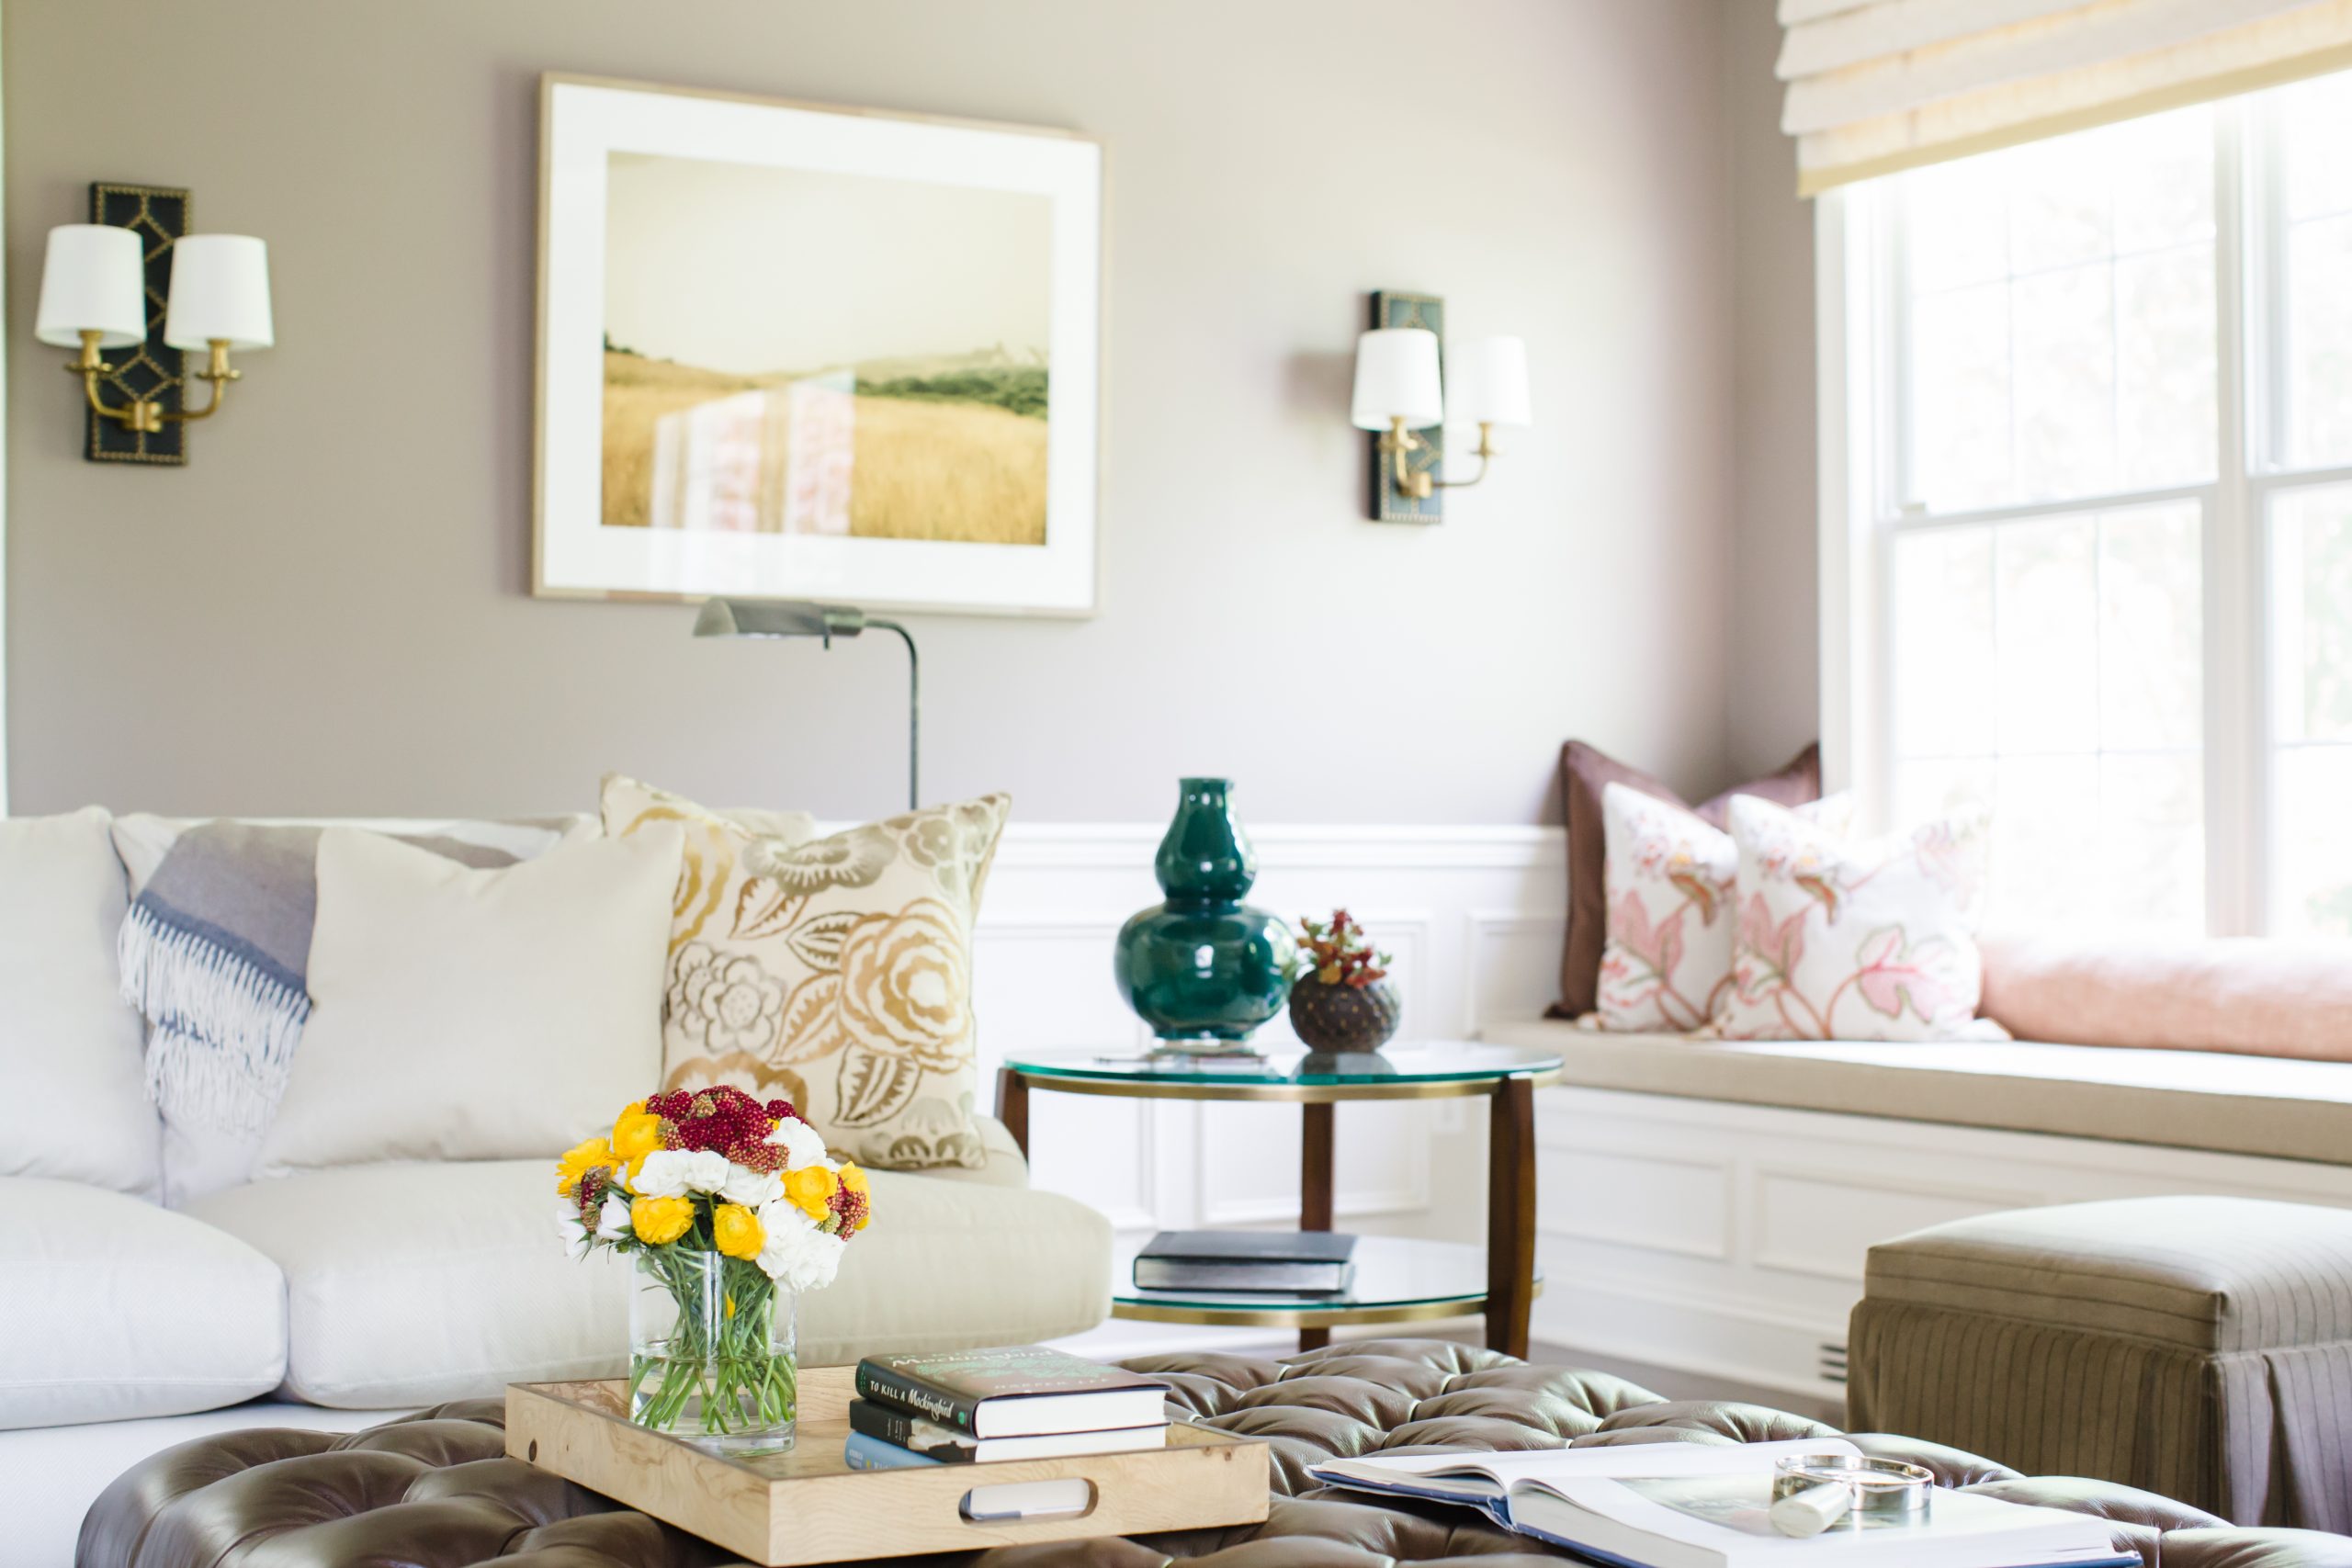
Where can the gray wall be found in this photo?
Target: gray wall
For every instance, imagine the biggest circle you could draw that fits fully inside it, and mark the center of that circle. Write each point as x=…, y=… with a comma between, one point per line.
x=328, y=611
x=1773, y=702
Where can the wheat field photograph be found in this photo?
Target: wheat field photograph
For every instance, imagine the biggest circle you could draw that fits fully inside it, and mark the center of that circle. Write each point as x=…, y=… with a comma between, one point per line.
x=793, y=352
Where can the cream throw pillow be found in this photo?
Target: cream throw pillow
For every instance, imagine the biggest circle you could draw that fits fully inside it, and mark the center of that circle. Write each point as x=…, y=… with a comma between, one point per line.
x=836, y=974
x=463, y=1014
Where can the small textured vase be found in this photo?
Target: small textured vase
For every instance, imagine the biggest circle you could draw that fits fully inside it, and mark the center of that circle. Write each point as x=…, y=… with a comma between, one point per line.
x=711, y=1357
x=1344, y=1017
x=1204, y=969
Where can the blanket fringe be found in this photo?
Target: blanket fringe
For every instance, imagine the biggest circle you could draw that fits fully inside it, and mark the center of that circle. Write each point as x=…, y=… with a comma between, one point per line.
x=225, y=1032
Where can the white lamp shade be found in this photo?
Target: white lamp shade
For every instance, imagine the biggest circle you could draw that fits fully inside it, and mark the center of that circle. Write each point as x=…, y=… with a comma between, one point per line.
x=1485, y=381
x=94, y=279
x=1397, y=374
x=219, y=291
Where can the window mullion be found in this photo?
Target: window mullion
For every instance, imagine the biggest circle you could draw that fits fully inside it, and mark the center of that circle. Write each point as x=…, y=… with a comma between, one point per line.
x=2236, y=837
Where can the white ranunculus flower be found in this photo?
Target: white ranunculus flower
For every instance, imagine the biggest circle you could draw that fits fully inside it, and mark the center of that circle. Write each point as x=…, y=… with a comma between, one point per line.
x=573, y=1233
x=799, y=1255
x=705, y=1170
x=802, y=1145
x=753, y=1188
x=663, y=1174
x=612, y=1220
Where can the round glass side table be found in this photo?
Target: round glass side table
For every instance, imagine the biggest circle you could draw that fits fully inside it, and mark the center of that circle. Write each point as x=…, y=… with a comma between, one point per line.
x=1397, y=1279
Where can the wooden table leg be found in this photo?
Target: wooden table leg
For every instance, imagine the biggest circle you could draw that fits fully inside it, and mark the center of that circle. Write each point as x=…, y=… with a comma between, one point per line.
x=1013, y=1106
x=1315, y=1191
x=1510, y=1214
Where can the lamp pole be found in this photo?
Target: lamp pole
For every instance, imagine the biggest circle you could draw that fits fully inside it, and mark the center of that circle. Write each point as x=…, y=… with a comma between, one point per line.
x=914, y=710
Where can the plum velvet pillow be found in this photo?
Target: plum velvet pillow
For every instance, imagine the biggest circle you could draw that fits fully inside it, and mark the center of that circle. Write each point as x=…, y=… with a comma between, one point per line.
x=1585, y=773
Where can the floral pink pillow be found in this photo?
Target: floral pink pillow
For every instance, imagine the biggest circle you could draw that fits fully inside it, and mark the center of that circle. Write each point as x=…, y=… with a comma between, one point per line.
x=1854, y=942
x=1670, y=876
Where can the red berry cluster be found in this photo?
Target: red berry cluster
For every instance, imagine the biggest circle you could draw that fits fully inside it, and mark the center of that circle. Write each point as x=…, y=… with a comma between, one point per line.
x=848, y=1207
x=595, y=1185
x=723, y=1119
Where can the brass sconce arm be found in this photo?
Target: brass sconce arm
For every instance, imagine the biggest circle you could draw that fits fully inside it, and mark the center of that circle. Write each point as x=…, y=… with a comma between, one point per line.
x=1400, y=443
x=144, y=414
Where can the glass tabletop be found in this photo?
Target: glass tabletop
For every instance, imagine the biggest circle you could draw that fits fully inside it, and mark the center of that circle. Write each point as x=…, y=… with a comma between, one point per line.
x=1291, y=1066
x=1393, y=1273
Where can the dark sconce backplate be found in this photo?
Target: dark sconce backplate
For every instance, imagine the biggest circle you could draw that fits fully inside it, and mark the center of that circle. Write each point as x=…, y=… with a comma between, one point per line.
x=1389, y=505
x=154, y=370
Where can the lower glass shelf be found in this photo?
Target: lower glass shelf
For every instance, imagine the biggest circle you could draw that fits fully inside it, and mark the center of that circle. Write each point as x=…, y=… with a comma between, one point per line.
x=1397, y=1279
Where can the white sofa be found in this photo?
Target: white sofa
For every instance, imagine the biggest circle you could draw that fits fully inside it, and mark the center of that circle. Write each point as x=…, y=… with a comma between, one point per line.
x=332, y=1297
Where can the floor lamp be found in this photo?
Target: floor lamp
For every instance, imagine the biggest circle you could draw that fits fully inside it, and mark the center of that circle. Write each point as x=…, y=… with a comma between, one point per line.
x=763, y=618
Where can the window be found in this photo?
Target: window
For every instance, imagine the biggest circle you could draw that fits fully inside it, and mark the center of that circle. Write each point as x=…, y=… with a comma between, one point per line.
x=2093, y=522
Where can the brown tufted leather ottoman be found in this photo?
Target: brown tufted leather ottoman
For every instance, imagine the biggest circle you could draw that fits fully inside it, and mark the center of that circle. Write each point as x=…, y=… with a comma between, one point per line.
x=436, y=1490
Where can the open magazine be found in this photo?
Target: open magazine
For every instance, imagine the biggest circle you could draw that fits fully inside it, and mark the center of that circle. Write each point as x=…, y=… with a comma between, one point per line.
x=1704, y=1506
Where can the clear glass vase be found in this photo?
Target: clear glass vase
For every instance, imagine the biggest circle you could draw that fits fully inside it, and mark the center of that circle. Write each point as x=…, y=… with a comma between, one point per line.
x=710, y=1352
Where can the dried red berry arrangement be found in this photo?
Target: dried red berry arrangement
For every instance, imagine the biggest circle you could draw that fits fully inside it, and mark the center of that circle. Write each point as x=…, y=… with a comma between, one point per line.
x=1340, y=997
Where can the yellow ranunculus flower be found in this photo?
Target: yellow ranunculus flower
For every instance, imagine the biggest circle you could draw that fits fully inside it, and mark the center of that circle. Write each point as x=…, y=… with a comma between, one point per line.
x=637, y=1133
x=737, y=1231
x=578, y=1162
x=811, y=1190
x=657, y=1221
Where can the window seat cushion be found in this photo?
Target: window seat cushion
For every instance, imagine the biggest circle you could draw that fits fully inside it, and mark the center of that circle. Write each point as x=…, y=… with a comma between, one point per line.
x=2194, y=1099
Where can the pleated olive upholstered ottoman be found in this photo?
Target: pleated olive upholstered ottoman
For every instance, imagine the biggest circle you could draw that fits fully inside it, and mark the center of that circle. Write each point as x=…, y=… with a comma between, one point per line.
x=2199, y=1347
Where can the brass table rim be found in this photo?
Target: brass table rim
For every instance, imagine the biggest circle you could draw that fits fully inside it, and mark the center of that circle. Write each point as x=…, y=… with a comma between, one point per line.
x=1308, y=1317
x=1141, y=1087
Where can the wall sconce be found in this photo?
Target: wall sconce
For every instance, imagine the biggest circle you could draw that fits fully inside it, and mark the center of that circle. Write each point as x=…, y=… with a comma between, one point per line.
x=1401, y=393
x=94, y=295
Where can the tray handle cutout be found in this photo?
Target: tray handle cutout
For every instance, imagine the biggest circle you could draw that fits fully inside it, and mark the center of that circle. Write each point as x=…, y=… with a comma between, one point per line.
x=1070, y=1497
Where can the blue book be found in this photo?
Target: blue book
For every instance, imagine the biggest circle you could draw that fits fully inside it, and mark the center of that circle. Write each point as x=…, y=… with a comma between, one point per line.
x=872, y=1453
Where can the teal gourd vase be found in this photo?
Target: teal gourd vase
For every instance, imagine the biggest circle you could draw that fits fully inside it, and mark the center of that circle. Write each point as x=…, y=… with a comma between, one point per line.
x=1204, y=969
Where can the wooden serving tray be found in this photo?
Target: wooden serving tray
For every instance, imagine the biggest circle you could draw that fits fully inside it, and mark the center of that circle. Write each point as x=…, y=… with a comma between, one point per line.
x=808, y=1507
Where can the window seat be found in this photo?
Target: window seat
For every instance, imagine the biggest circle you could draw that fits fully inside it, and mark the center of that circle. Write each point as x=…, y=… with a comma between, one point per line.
x=2192, y=1099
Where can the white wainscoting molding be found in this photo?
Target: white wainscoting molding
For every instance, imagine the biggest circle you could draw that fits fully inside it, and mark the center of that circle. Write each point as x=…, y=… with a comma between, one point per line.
x=1728, y=1240
x=1470, y=916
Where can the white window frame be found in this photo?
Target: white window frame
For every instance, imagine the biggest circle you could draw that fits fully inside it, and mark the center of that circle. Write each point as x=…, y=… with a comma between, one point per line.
x=1860, y=340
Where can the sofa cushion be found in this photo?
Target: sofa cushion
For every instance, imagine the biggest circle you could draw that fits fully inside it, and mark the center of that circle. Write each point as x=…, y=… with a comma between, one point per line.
x=116, y=1309
x=407, y=1284
x=68, y=1042
x=2189, y=1099
x=411, y=1283
x=465, y=1014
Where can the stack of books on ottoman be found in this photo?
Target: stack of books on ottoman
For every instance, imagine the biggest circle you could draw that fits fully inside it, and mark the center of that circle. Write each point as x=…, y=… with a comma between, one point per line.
x=1292, y=1263
x=1014, y=1402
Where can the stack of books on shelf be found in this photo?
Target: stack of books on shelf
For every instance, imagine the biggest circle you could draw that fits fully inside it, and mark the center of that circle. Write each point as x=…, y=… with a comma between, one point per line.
x=1011, y=1401
x=1293, y=1263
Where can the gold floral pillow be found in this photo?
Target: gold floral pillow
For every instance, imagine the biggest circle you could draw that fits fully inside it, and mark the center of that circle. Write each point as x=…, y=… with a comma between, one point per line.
x=835, y=972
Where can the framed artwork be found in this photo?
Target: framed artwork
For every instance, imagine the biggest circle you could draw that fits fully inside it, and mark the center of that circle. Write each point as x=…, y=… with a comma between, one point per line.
x=796, y=352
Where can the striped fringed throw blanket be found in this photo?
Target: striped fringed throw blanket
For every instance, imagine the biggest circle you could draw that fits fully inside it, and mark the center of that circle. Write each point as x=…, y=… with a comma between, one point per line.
x=214, y=954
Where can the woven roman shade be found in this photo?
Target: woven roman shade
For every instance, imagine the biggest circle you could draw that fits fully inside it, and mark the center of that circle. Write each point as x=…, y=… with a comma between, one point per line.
x=1879, y=85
